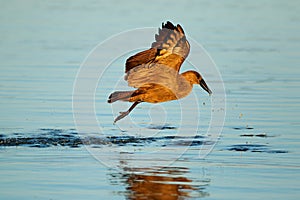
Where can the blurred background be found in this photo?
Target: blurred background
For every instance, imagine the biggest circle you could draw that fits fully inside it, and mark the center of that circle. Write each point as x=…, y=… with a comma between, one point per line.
x=255, y=45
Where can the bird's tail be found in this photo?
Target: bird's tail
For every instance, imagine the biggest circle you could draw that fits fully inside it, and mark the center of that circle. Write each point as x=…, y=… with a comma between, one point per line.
x=120, y=95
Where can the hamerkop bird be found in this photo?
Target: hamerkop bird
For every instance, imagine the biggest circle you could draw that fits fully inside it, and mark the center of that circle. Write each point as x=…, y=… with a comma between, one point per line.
x=155, y=72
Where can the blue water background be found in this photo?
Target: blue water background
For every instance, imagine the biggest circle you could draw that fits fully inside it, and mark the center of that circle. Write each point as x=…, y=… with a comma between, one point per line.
x=255, y=44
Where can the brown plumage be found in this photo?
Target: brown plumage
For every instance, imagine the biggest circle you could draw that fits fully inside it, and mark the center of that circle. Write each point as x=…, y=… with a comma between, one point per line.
x=155, y=72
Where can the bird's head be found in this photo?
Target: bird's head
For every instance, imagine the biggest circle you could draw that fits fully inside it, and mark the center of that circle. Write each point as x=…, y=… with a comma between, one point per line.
x=195, y=78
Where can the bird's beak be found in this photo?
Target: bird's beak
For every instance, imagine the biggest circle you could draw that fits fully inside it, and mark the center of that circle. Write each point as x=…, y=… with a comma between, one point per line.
x=205, y=87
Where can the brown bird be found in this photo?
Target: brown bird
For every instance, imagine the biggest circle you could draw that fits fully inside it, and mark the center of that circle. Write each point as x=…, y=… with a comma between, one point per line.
x=155, y=72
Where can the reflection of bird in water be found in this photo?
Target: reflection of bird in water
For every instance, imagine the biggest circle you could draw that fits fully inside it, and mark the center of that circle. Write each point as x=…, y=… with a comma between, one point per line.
x=158, y=187
x=165, y=184
x=155, y=72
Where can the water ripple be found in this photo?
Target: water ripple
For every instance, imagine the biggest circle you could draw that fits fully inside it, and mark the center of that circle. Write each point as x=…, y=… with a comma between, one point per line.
x=254, y=148
x=69, y=138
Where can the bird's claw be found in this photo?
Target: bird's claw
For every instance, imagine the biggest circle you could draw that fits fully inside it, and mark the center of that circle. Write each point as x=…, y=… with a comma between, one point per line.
x=121, y=116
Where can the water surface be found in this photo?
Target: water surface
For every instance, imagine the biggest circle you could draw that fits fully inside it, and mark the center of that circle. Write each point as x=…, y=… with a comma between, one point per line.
x=255, y=46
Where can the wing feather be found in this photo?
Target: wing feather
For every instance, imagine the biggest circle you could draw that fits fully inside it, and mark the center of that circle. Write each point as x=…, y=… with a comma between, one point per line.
x=162, y=60
x=140, y=58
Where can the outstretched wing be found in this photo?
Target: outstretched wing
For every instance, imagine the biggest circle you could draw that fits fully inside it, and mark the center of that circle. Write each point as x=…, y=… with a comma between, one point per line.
x=172, y=46
x=169, y=50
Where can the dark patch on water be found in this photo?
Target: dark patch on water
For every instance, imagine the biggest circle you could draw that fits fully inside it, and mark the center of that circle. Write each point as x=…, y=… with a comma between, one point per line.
x=174, y=140
x=254, y=148
x=243, y=128
x=190, y=142
x=41, y=141
x=162, y=127
x=262, y=135
x=40, y=145
x=69, y=138
x=247, y=147
x=277, y=151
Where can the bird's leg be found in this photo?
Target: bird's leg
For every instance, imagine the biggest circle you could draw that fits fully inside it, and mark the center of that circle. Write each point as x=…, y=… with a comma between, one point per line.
x=124, y=114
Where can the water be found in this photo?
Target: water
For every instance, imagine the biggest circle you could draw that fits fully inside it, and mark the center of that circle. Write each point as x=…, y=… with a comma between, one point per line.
x=255, y=46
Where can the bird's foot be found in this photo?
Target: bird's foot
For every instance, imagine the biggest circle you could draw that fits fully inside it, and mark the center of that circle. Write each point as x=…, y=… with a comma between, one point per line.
x=121, y=116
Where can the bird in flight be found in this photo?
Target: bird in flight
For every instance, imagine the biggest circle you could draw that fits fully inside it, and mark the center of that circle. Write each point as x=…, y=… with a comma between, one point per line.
x=155, y=72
